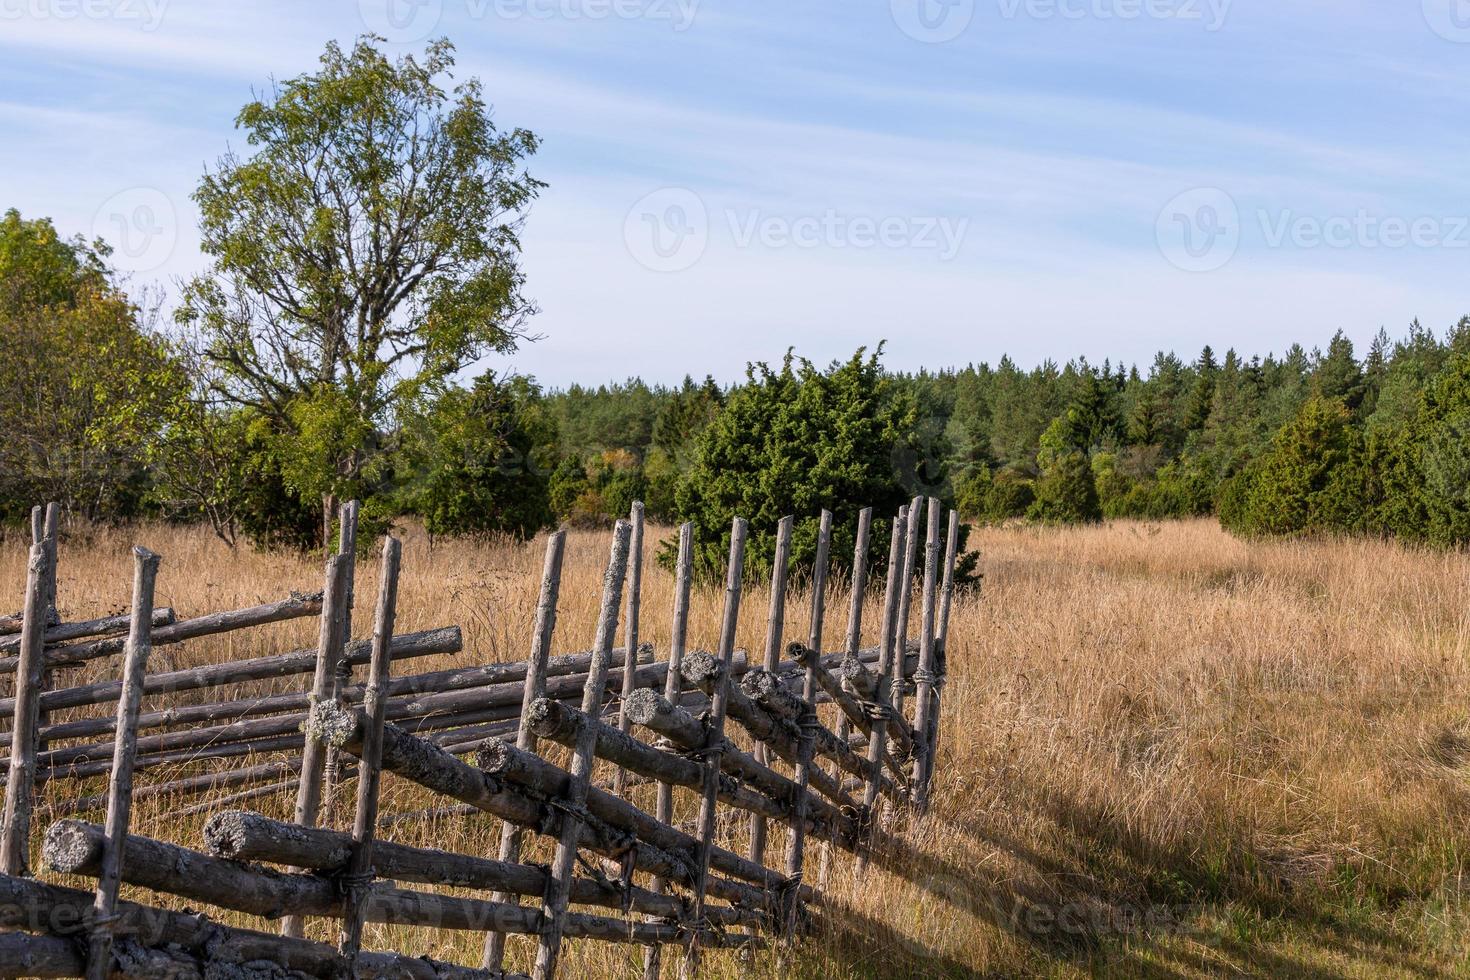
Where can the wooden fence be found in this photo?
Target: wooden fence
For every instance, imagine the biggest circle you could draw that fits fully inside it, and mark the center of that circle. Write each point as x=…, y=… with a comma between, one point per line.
x=819, y=744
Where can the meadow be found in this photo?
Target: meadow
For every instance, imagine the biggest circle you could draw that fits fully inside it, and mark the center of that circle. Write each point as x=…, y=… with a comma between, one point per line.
x=1165, y=752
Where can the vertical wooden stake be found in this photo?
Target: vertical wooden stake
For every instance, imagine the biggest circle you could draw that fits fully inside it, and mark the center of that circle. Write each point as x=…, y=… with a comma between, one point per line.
x=29, y=681
x=511, y=835
x=120, y=786
x=910, y=555
x=881, y=709
x=49, y=530
x=342, y=676
x=358, y=876
x=775, y=626
x=664, y=804
x=554, y=910
x=796, y=839
x=630, y=632
x=854, y=634
x=313, y=752
x=925, y=677
x=941, y=637
x=715, y=737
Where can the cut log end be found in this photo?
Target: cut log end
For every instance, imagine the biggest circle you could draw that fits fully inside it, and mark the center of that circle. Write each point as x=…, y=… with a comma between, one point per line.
x=643, y=705
x=68, y=849
x=700, y=668
x=551, y=719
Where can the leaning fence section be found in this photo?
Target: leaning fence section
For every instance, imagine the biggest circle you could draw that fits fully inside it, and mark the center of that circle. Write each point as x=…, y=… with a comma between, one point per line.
x=812, y=749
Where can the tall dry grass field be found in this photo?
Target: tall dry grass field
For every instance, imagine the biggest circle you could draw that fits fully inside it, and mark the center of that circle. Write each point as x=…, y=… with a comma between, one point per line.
x=1165, y=752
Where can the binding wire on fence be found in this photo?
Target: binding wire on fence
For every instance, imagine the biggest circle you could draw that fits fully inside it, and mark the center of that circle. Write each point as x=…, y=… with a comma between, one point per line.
x=816, y=744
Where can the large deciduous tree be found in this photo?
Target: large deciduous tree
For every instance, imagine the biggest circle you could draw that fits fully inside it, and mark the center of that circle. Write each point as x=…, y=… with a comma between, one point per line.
x=364, y=250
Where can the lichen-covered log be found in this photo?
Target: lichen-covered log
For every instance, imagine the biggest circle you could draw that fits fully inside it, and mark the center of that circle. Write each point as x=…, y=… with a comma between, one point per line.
x=25, y=955
x=73, y=847
x=561, y=724
x=227, y=953
x=701, y=670
x=650, y=710
x=241, y=835
x=436, y=769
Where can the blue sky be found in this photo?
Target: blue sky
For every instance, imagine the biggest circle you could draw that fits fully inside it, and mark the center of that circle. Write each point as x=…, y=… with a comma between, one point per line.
x=963, y=178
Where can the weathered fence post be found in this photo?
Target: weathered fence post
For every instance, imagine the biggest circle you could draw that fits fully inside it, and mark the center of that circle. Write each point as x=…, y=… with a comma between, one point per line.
x=512, y=834
x=554, y=911
x=924, y=677
x=664, y=802
x=796, y=839
x=941, y=638
x=120, y=786
x=910, y=554
x=313, y=752
x=630, y=631
x=715, y=736
x=854, y=639
x=346, y=546
x=881, y=707
x=357, y=878
x=775, y=627
x=45, y=533
x=29, y=679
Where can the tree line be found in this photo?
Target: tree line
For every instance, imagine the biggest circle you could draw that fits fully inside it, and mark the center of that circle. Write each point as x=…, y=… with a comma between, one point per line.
x=364, y=256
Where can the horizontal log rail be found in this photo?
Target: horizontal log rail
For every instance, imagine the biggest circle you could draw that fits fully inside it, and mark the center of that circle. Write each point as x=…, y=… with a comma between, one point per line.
x=64, y=632
x=294, y=607
x=423, y=644
x=74, y=847
x=38, y=907
x=241, y=835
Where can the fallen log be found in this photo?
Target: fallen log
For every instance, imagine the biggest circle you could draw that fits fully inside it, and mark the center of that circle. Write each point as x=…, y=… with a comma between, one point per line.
x=293, y=607
x=36, y=907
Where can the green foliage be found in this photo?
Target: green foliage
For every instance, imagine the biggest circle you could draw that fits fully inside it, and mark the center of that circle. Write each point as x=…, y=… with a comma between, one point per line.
x=1309, y=482
x=365, y=252
x=1066, y=493
x=993, y=498
x=83, y=385
x=479, y=460
x=794, y=441
x=1424, y=465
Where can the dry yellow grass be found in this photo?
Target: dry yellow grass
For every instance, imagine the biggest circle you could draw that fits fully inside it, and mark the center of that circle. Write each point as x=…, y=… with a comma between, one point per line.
x=1165, y=752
